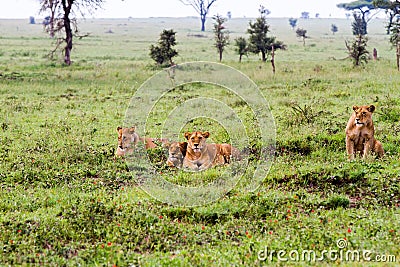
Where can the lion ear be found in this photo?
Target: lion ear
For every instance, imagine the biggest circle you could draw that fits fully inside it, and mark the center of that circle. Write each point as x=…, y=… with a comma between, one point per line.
x=355, y=108
x=119, y=128
x=183, y=147
x=187, y=134
x=206, y=134
x=132, y=129
x=371, y=108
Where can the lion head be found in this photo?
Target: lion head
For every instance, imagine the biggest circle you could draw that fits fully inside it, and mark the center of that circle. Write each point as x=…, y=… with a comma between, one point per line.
x=176, y=153
x=127, y=139
x=197, y=140
x=363, y=115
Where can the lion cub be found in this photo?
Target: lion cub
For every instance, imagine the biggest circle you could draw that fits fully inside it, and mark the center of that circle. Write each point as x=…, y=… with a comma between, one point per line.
x=360, y=133
x=176, y=154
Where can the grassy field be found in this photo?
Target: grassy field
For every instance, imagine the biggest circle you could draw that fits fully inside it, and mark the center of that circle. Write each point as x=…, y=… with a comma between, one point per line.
x=66, y=200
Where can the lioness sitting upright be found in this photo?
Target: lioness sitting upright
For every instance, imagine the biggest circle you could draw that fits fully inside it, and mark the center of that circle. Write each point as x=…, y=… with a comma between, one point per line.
x=360, y=133
x=200, y=155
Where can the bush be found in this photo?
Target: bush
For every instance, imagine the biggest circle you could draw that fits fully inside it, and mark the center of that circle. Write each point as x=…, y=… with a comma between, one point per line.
x=163, y=53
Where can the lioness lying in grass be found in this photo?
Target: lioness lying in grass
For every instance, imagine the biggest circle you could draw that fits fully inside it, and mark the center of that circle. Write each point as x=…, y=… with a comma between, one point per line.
x=128, y=139
x=201, y=156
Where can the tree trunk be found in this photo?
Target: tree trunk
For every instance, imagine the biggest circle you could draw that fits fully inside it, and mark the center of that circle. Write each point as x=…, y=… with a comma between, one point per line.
x=53, y=7
x=52, y=25
x=273, y=59
x=220, y=55
x=240, y=58
x=398, y=56
x=389, y=26
x=68, y=30
x=358, y=48
x=203, y=23
x=263, y=56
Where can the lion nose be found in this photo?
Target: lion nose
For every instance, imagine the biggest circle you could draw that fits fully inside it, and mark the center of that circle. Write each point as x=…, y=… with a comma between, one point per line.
x=120, y=147
x=196, y=145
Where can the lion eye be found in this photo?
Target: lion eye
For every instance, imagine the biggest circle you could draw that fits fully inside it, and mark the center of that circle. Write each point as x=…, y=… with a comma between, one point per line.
x=364, y=113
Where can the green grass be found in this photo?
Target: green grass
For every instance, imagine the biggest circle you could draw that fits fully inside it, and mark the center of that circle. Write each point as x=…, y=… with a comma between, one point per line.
x=66, y=200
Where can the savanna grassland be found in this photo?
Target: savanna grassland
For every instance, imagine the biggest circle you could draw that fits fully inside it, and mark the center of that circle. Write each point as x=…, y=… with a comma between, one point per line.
x=65, y=200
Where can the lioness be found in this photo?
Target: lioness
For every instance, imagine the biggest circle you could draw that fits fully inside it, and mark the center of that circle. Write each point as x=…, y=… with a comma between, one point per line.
x=176, y=154
x=360, y=133
x=128, y=139
x=200, y=155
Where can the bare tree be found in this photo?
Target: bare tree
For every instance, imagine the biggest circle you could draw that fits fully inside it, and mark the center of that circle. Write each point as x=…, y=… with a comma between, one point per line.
x=63, y=20
x=202, y=7
x=52, y=7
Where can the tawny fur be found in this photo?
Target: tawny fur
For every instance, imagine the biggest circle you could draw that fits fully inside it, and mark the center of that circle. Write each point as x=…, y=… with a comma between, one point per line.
x=128, y=139
x=201, y=156
x=176, y=154
x=360, y=133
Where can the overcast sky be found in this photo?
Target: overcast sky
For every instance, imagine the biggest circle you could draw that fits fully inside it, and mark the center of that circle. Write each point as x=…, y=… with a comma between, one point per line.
x=174, y=8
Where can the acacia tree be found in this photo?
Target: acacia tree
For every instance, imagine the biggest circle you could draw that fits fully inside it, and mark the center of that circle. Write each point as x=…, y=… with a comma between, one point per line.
x=63, y=20
x=363, y=7
x=392, y=8
x=221, y=35
x=202, y=7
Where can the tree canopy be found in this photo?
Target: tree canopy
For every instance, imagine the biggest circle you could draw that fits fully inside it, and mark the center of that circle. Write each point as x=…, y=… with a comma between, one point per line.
x=392, y=9
x=359, y=4
x=362, y=6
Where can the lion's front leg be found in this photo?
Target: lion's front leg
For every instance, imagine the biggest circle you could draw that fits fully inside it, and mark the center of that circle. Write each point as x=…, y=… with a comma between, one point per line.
x=205, y=166
x=368, y=145
x=350, y=148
